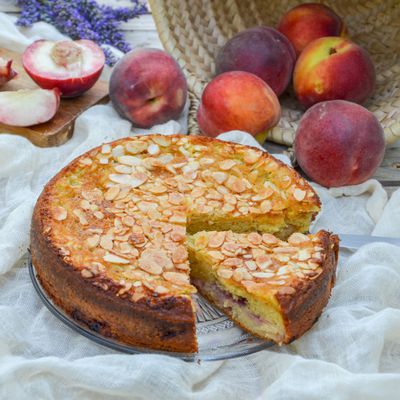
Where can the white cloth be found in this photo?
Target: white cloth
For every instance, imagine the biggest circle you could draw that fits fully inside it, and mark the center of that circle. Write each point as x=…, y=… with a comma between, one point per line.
x=352, y=352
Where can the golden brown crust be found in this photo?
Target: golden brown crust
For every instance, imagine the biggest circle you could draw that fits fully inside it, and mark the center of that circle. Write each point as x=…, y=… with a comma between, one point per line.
x=160, y=321
x=303, y=307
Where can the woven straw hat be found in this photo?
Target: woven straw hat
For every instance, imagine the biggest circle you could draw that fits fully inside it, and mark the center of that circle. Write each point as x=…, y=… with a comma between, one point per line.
x=193, y=31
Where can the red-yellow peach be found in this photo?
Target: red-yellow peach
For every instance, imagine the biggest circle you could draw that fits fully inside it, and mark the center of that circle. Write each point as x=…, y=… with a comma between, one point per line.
x=308, y=22
x=237, y=100
x=339, y=143
x=263, y=51
x=148, y=87
x=333, y=68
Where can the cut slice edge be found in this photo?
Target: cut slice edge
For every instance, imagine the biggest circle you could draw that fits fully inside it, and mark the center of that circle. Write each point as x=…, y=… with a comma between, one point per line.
x=266, y=295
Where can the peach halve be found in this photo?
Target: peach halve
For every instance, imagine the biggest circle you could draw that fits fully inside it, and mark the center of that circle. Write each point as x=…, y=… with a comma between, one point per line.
x=28, y=107
x=71, y=66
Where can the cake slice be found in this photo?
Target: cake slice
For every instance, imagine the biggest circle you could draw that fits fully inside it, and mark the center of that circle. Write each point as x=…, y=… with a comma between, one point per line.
x=272, y=288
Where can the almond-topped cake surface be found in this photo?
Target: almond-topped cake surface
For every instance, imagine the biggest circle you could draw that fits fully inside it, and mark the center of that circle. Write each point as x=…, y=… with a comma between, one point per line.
x=109, y=232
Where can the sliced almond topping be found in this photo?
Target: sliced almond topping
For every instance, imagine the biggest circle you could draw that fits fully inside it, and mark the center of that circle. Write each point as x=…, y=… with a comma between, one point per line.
x=240, y=274
x=163, y=141
x=219, y=177
x=176, y=198
x=225, y=165
x=225, y=273
x=265, y=206
x=81, y=216
x=251, y=156
x=128, y=221
x=135, y=147
x=153, y=149
x=233, y=262
x=161, y=289
x=216, y=239
x=303, y=254
x=106, y=242
x=268, y=238
x=177, y=278
x=180, y=254
x=112, y=258
x=123, y=169
x=154, y=261
x=251, y=265
x=216, y=255
x=299, y=194
x=106, y=149
x=93, y=241
x=98, y=215
x=112, y=193
x=263, y=261
x=103, y=160
x=130, y=160
x=60, y=213
x=86, y=161
x=263, y=275
x=178, y=217
x=86, y=273
x=297, y=237
x=183, y=267
x=236, y=185
x=137, y=238
x=254, y=238
x=197, y=192
x=285, y=249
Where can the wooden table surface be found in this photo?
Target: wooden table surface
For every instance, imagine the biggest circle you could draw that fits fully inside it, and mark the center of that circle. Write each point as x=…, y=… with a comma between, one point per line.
x=141, y=32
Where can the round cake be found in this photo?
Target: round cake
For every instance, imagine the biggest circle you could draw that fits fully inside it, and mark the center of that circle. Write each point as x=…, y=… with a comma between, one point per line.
x=111, y=232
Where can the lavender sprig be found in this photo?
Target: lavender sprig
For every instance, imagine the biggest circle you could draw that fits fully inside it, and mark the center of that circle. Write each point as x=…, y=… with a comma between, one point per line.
x=84, y=19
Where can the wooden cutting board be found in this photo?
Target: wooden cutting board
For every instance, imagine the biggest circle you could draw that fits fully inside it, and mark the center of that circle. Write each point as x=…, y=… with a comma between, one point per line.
x=58, y=130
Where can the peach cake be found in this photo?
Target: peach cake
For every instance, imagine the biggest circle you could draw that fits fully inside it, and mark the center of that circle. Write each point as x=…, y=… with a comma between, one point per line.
x=126, y=233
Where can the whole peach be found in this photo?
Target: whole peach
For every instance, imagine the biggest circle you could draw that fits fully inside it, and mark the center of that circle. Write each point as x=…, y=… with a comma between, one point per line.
x=148, y=87
x=310, y=21
x=339, y=143
x=333, y=68
x=262, y=51
x=237, y=100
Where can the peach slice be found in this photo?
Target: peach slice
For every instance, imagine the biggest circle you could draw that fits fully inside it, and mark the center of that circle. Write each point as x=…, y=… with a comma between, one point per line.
x=71, y=66
x=6, y=72
x=28, y=107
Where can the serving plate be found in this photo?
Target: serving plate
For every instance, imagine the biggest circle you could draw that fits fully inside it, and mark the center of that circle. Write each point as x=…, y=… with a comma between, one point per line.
x=218, y=337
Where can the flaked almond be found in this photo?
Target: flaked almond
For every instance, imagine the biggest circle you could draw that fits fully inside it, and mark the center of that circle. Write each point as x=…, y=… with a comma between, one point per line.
x=176, y=198
x=135, y=147
x=112, y=258
x=217, y=255
x=137, y=238
x=299, y=194
x=161, y=289
x=303, y=254
x=225, y=273
x=60, y=213
x=254, y=238
x=180, y=254
x=81, y=216
x=123, y=169
x=103, y=160
x=163, y=141
x=285, y=249
x=268, y=238
x=129, y=160
x=86, y=161
x=153, y=149
x=263, y=261
x=240, y=274
x=265, y=206
x=197, y=192
x=106, y=242
x=219, y=177
x=128, y=221
x=106, y=149
x=154, y=261
x=178, y=217
x=112, y=193
x=93, y=241
x=226, y=165
x=237, y=185
x=251, y=265
x=262, y=275
x=178, y=278
x=233, y=262
x=86, y=273
x=251, y=156
x=98, y=214
x=297, y=237
x=216, y=239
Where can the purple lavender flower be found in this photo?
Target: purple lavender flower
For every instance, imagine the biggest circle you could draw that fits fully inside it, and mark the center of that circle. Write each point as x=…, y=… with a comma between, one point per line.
x=83, y=19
